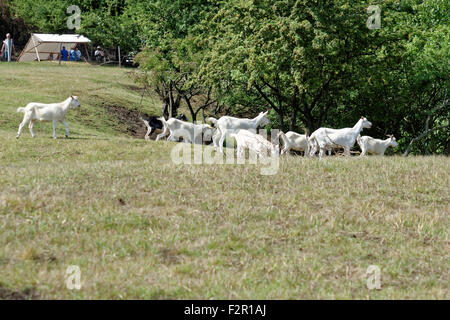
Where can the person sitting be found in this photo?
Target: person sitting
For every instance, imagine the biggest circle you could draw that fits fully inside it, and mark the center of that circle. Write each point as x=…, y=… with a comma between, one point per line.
x=78, y=53
x=75, y=54
x=64, y=54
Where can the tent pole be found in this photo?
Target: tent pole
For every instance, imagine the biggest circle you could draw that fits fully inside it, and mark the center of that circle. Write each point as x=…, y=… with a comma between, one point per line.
x=87, y=52
x=35, y=48
x=120, y=61
x=23, y=51
x=60, y=46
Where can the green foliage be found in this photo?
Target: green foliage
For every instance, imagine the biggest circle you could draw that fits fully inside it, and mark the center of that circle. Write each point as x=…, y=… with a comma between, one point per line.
x=172, y=55
x=14, y=25
x=106, y=22
x=317, y=63
x=314, y=63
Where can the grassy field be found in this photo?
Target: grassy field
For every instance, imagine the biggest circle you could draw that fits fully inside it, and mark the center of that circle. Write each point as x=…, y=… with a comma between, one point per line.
x=139, y=226
x=104, y=93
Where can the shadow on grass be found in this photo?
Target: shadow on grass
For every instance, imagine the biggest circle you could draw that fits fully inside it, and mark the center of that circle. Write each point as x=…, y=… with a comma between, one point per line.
x=86, y=138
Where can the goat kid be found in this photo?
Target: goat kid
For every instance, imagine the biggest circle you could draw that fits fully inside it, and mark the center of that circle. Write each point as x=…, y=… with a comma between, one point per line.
x=327, y=138
x=47, y=112
x=375, y=146
x=255, y=143
x=190, y=132
x=226, y=125
x=294, y=141
x=154, y=125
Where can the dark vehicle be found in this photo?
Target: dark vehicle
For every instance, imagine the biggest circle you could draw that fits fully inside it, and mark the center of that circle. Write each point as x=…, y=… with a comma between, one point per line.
x=128, y=60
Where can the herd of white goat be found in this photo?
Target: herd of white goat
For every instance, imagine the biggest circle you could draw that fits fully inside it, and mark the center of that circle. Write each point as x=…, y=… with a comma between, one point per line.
x=242, y=130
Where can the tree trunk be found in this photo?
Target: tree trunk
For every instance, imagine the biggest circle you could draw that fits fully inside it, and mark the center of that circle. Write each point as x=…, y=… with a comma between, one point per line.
x=166, y=108
x=294, y=109
x=423, y=135
x=309, y=120
x=280, y=119
x=191, y=110
x=171, y=102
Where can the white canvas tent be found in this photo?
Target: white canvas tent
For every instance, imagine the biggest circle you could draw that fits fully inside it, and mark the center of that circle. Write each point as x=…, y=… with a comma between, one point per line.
x=48, y=46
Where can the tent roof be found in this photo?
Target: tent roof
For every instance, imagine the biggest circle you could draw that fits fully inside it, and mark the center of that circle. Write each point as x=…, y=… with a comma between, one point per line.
x=42, y=46
x=60, y=38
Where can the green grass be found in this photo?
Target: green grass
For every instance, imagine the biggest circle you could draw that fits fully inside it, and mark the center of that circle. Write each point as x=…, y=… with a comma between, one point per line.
x=99, y=89
x=139, y=226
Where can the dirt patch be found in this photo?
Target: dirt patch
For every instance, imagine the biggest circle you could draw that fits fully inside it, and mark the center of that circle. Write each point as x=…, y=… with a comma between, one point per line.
x=25, y=294
x=169, y=255
x=129, y=119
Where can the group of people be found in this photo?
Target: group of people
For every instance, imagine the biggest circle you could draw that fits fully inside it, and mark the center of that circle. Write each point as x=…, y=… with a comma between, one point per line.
x=74, y=55
x=8, y=51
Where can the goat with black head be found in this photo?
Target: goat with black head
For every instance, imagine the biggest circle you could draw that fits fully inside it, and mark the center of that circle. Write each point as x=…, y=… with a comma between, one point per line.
x=153, y=124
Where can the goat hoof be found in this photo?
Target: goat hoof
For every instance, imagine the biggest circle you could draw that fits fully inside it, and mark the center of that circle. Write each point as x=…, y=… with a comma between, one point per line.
x=67, y=137
x=17, y=137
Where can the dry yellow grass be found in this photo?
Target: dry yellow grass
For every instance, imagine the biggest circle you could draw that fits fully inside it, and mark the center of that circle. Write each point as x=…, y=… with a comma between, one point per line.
x=139, y=226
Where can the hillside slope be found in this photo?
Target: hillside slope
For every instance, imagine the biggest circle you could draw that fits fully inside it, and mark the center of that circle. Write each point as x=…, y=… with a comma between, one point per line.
x=110, y=100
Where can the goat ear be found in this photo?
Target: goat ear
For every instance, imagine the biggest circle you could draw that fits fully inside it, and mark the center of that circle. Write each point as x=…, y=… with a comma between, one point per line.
x=362, y=117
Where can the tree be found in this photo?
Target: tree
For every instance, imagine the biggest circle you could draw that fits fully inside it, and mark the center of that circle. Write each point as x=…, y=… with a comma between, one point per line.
x=300, y=57
x=408, y=86
x=317, y=63
x=170, y=57
x=14, y=25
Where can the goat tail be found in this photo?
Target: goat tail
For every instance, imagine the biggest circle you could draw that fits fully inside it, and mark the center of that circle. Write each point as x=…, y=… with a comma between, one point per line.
x=212, y=120
x=21, y=110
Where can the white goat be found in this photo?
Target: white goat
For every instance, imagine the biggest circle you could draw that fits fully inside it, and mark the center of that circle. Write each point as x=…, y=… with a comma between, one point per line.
x=190, y=132
x=255, y=143
x=294, y=141
x=47, y=112
x=326, y=138
x=226, y=125
x=375, y=146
